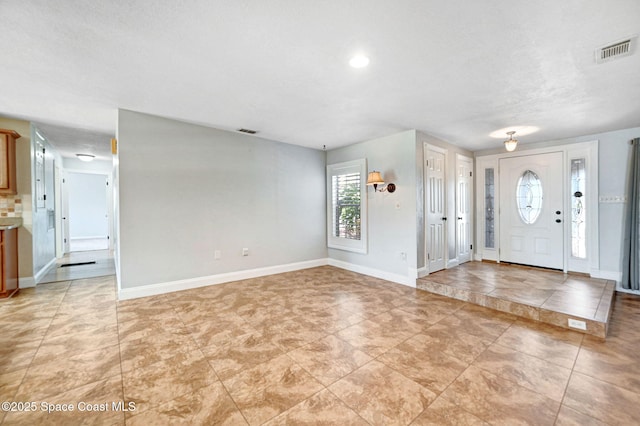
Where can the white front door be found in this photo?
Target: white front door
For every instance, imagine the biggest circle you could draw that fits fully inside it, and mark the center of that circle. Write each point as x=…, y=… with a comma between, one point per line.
x=464, y=167
x=436, y=209
x=531, y=210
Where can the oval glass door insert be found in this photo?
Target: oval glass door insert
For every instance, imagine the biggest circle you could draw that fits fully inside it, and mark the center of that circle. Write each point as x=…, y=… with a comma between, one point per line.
x=529, y=197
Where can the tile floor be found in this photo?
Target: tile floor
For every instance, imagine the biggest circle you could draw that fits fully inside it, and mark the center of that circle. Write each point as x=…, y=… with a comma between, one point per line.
x=319, y=346
x=539, y=294
x=104, y=266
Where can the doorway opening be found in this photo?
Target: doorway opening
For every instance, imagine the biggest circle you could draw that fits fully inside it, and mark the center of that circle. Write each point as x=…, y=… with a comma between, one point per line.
x=85, y=212
x=84, y=246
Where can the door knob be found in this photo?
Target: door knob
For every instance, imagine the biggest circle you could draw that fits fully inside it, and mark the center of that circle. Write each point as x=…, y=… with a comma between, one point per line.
x=444, y=218
x=459, y=218
x=558, y=221
x=558, y=212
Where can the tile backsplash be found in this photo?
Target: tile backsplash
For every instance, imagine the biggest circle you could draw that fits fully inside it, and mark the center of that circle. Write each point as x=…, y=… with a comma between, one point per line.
x=10, y=206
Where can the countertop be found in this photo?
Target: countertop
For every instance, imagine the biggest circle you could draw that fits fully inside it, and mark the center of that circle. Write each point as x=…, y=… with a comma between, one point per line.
x=7, y=223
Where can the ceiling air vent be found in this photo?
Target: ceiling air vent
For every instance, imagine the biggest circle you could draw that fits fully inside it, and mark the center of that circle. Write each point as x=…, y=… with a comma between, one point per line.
x=616, y=50
x=249, y=131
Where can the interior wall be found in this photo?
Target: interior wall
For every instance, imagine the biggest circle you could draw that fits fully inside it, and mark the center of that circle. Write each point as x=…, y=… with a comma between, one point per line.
x=613, y=163
x=186, y=191
x=23, y=177
x=391, y=217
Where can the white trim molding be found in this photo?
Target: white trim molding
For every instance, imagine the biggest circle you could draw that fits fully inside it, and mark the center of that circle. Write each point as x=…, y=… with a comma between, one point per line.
x=26, y=282
x=171, y=286
x=624, y=290
x=452, y=263
x=607, y=275
x=418, y=273
x=41, y=273
x=377, y=273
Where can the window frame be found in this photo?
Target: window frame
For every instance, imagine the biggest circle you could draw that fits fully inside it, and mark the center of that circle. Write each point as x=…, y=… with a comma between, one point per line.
x=341, y=243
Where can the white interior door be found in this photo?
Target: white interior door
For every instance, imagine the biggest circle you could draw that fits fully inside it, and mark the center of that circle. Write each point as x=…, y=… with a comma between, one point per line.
x=531, y=216
x=65, y=215
x=436, y=209
x=464, y=170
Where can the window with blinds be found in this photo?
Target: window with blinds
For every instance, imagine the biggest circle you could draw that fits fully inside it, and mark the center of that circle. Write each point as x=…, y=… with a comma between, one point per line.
x=346, y=211
x=346, y=206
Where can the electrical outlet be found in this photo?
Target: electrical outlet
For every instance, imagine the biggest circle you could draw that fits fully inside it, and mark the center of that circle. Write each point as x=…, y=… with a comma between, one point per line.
x=217, y=255
x=580, y=325
x=245, y=251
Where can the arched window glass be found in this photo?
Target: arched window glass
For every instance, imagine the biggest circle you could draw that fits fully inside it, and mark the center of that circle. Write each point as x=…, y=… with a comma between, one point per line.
x=529, y=197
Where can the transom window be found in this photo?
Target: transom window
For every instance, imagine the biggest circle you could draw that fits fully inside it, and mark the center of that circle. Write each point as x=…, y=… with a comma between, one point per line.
x=529, y=197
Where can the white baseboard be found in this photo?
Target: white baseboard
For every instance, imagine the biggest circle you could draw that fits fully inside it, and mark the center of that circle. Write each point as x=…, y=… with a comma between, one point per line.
x=26, y=282
x=418, y=273
x=452, y=263
x=607, y=275
x=389, y=276
x=625, y=290
x=171, y=286
x=40, y=274
x=423, y=272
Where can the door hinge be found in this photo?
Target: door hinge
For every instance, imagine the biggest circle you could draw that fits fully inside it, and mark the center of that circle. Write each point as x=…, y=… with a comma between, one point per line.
x=63, y=181
x=471, y=247
x=44, y=197
x=470, y=174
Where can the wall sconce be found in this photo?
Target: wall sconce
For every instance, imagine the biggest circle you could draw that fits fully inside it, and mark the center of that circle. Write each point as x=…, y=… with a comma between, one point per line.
x=375, y=179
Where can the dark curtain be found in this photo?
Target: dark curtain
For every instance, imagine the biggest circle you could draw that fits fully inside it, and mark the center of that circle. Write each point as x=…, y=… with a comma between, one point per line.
x=631, y=254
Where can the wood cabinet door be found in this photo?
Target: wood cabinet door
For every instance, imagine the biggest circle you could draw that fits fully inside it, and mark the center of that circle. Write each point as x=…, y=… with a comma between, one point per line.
x=8, y=162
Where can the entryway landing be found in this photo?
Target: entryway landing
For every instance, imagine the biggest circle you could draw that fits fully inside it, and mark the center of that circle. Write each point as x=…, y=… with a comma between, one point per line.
x=538, y=294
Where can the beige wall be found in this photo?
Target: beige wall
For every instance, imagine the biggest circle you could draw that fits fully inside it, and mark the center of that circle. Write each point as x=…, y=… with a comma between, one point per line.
x=23, y=172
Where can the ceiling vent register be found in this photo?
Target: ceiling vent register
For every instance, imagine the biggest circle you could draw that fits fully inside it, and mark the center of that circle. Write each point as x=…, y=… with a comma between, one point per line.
x=616, y=50
x=249, y=131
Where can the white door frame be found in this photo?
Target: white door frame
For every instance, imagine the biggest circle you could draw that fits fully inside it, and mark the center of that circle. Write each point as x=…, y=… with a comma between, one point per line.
x=63, y=220
x=428, y=147
x=587, y=150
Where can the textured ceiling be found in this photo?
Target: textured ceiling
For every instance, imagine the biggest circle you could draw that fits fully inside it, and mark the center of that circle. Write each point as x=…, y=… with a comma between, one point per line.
x=457, y=70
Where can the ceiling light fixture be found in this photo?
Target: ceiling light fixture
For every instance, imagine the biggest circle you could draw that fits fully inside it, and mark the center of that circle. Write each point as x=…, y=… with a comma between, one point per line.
x=85, y=157
x=359, y=61
x=511, y=143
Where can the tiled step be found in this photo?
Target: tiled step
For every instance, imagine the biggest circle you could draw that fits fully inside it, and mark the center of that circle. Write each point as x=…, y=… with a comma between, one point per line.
x=559, y=314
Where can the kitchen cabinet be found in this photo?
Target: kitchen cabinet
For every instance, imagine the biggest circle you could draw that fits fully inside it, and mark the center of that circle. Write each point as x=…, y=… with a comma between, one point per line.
x=8, y=261
x=8, y=161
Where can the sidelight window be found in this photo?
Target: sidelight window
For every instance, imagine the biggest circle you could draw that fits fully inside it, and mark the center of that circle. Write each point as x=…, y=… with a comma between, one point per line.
x=489, y=209
x=578, y=223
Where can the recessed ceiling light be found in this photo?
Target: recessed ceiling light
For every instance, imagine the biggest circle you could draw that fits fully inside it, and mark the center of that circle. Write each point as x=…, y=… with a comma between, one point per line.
x=359, y=61
x=85, y=157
